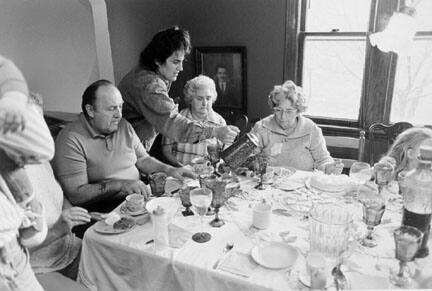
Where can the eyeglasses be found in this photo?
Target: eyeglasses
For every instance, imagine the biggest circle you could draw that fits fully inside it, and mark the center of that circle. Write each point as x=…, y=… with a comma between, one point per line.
x=279, y=111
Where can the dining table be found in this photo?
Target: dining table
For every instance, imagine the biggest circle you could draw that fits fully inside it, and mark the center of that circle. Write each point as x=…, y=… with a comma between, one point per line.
x=128, y=260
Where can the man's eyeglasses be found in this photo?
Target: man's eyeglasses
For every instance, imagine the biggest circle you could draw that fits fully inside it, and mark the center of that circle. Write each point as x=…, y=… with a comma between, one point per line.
x=279, y=111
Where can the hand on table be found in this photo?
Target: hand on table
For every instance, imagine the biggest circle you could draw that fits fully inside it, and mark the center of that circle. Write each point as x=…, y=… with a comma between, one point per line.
x=135, y=186
x=335, y=167
x=75, y=216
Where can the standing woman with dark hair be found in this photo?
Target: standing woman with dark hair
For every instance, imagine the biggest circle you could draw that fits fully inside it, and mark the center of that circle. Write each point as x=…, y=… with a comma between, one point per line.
x=147, y=105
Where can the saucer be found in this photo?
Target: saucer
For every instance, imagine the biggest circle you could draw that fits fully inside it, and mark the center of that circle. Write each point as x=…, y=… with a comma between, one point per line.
x=124, y=210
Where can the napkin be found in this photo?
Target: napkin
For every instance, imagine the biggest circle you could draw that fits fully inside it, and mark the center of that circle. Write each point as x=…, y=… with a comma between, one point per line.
x=178, y=236
x=238, y=263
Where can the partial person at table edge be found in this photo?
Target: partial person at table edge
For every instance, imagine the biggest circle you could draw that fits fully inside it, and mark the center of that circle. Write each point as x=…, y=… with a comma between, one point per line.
x=99, y=157
x=289, y=138
x=403, y=153
x=148, y=106
x=199, y=95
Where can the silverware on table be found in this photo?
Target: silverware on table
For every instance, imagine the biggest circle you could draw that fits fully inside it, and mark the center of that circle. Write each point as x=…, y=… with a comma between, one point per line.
x=228, y=247
x=339, y=278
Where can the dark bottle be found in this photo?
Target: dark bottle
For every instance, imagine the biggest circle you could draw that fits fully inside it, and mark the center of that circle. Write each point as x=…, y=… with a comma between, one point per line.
x=418, y=198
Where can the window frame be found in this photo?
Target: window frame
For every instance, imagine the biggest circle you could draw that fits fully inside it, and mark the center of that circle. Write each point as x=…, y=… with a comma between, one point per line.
x=379, y=70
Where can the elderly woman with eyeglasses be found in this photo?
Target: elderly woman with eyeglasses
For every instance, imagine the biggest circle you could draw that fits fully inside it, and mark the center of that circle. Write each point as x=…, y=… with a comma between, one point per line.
x=199, y=95
x=289, y=138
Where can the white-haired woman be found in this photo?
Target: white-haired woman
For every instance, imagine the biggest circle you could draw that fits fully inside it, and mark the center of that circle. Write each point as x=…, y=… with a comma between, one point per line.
x=200, y=94
x=289, y=138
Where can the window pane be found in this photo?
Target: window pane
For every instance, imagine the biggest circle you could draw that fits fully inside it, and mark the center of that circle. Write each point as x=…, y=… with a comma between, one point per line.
x=412, y=95
x=344, y=15
x=332, y=75
x=424, y=15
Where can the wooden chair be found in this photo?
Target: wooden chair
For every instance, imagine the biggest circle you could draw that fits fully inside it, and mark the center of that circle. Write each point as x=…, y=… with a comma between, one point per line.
x=382, y=136
x=349, y=149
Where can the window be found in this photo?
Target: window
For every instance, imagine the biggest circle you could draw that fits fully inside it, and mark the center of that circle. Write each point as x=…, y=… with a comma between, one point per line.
x=348, y=82
x=333, y=56
x=412, y=93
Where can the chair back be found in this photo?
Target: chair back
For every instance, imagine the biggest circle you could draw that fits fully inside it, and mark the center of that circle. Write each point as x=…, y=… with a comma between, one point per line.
x=382, y=136
x=236, y=118
x=348, y=149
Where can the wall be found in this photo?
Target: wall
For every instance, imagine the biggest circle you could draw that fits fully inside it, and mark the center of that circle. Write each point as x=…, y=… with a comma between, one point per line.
x=258, y=25
x=52, y=41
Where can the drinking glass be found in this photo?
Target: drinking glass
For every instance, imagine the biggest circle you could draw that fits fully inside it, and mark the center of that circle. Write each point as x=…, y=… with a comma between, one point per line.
x=373, y=210
x=360, y=173
x=219, y=198
x=214, y=154
x=201, y=199
x=260, y=165
x=407, y=242
x=185, y=199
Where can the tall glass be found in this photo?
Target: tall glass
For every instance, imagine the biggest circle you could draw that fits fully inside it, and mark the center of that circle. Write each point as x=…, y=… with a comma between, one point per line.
x=360, y=173
x=214, y=154
x=407, y=242
x=219, y=198
x=373, y=210
x=201, y=199
x=260, y=165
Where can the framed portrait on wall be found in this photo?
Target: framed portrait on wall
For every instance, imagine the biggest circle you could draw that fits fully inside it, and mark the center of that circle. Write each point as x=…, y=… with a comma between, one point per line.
x=227, y=67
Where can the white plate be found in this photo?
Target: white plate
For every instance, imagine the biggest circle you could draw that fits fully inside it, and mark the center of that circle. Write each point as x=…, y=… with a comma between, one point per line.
x=283, y=171
x=309, y=186
x=289, y=185
x=275, y=255
x=124, y=210
x=104, y=228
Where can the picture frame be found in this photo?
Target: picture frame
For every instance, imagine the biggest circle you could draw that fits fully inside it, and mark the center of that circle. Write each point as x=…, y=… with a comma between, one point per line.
x=226, y=65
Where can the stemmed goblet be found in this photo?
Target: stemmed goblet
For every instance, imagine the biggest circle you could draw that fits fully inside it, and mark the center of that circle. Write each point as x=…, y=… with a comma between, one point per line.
x=184, y=194
x=407, y=242
x=201, y=199
x=373, y=210
x=214, y=154
x=260, y=165
x=219, y=198
x=383, y=174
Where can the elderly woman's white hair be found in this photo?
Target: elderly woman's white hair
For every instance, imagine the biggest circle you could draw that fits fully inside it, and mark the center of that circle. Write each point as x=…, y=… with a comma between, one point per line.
x=200, y=82
x=291, y=92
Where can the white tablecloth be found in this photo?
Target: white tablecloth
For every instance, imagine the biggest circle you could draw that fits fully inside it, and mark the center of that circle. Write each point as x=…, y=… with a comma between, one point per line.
x=125, y=262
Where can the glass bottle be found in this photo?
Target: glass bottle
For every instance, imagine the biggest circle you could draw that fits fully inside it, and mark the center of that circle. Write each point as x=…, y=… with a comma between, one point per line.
x=417, y=198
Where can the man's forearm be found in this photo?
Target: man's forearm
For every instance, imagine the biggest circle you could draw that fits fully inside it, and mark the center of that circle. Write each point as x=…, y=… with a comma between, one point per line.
x=91, y=193
x=150, y=165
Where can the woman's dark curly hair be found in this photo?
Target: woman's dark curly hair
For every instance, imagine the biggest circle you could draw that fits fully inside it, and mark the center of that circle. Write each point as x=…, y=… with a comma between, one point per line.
x=163, y=45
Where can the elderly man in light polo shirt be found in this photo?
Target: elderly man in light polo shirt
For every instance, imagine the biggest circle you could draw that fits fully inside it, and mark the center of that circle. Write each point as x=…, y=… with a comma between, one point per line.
x=99, y=157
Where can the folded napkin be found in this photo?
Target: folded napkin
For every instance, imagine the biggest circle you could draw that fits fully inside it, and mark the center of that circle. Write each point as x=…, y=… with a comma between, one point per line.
x=178, y=236
x=237, y=263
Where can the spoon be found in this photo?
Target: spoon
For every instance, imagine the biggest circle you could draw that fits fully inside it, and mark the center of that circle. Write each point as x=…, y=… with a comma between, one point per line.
x=227, y=248
x=339, y=278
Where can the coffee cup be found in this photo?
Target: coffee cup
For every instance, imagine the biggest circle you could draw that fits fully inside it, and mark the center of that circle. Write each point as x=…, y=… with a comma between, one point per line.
x=200, y=165
x=261, y=215
x=134, y=202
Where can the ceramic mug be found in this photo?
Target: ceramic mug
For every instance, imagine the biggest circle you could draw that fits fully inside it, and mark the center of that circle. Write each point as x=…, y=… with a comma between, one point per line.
x=134, y=202
x=200, y=165
x=261, y=215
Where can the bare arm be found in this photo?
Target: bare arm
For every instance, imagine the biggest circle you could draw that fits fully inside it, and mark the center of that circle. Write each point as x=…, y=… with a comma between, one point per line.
x=80, y=192
x=150, y=165
x=167, y=151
